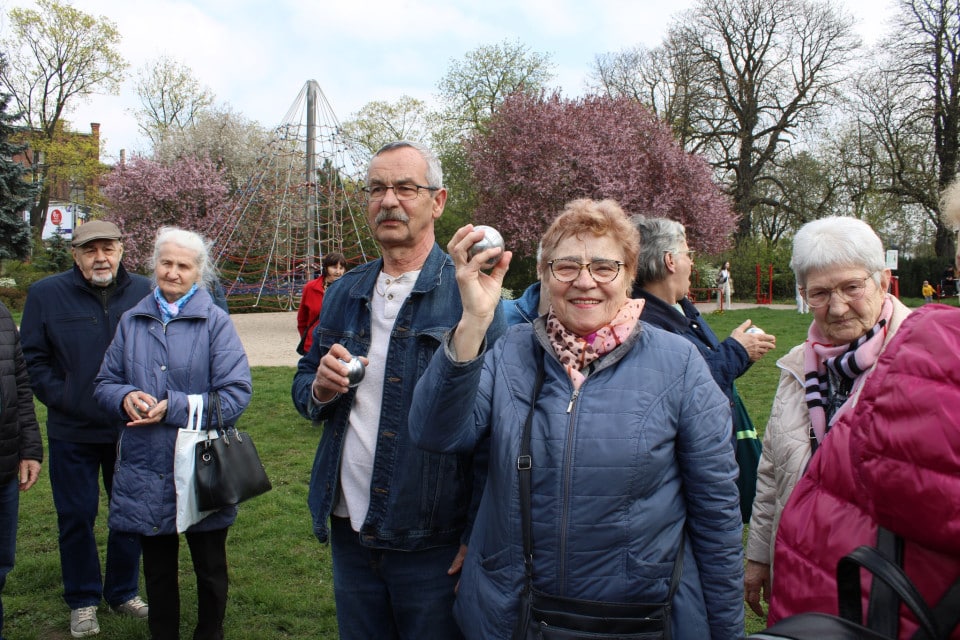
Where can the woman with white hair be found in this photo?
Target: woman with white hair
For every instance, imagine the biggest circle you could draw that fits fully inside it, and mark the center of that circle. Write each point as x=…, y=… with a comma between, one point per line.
x=839, y=263
x=887, y=477
x=174, y=343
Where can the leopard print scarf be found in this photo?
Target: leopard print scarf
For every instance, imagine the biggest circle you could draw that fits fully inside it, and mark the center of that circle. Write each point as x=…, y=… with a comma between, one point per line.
x=576, y=353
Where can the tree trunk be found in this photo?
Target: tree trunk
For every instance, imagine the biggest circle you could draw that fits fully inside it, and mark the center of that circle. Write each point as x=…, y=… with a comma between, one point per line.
x=38, y=214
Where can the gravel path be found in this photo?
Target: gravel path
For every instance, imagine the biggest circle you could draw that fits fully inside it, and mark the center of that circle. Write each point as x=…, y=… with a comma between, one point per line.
x=270, y=339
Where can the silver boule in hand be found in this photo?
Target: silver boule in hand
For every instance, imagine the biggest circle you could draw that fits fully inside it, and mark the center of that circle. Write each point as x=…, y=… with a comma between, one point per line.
x=355, y=371
x=754, y=329
x=491, y=239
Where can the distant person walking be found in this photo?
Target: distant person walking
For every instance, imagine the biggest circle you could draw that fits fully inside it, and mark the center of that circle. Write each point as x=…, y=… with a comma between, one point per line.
x=802, y=306
x=725, y=286
x=927, y=291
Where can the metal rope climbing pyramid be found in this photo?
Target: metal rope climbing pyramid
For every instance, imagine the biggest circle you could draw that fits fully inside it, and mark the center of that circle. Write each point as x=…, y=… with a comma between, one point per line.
x=303, y=201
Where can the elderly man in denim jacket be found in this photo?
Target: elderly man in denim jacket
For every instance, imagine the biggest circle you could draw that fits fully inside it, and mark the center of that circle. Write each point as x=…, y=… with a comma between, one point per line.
x=397, y=514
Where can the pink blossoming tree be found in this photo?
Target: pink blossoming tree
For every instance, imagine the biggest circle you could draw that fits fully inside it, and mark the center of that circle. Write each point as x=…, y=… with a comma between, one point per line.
x=540, y=152
x=144, y=195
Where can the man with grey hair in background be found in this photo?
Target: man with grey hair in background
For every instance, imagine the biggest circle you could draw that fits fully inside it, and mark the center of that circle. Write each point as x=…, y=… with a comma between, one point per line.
x=68, y=322
x=398, y=516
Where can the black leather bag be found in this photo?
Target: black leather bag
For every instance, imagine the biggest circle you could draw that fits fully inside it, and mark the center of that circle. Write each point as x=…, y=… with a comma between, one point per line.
x=228, y=469
x=550, y=617
x=890, y=588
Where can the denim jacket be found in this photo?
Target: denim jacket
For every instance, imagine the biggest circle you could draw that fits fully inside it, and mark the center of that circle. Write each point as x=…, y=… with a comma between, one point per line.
x=418, y=499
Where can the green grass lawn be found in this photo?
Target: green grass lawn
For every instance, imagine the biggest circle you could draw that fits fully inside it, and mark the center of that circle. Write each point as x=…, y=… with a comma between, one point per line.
x=280, y=576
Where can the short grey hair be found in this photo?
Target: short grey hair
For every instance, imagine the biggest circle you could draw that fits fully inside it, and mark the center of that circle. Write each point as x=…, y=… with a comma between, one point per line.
x=434, y=170
x=658, y=236
x=837, y=241
x=191, y=241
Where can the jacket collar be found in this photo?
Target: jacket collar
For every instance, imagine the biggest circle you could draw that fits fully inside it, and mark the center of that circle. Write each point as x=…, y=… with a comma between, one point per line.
x=122, y=277
x=197, y=307
x=431, y=275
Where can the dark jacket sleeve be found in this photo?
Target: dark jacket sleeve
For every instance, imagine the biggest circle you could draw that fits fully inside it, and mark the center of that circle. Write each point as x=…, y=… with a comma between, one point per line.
x=31, y=447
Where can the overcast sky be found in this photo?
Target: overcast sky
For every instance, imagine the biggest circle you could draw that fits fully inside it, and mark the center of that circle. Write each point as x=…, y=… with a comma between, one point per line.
x=257, y=55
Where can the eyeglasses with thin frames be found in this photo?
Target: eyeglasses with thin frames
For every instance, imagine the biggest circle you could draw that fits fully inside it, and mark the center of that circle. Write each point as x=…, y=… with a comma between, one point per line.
x=847, y=292
x=602, y=271
x=401, y=191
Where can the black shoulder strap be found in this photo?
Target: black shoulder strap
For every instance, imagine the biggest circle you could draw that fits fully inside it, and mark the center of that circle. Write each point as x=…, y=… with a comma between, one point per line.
x=848, y=588
x=524, y=466
x=946, y=615
x=882, y=617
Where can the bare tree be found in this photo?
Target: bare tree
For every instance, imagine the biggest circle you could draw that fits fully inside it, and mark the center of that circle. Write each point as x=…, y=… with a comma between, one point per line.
x=912, y=108
x=170, y=98
x=776, y=64
x=56, y=55
x=669, y=81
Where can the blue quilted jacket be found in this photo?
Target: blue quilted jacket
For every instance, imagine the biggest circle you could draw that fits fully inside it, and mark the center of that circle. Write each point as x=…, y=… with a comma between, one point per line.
x=199, y=351
x=638, y=457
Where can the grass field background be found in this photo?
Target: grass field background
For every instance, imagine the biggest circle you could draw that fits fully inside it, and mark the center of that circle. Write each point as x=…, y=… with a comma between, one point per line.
x=280, y=576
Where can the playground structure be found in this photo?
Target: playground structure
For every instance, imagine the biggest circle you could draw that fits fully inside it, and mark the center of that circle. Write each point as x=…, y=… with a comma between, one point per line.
x=765, y=296
x=304, y=201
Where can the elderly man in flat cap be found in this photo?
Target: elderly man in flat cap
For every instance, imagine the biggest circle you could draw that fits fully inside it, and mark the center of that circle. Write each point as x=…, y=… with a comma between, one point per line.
x=68, y=322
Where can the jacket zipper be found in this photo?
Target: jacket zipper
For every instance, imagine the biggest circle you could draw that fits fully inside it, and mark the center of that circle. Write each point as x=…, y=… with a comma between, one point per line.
x=564, y=501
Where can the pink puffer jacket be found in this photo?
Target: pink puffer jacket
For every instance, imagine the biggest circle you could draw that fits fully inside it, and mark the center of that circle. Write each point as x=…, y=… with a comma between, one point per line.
x=895, y=461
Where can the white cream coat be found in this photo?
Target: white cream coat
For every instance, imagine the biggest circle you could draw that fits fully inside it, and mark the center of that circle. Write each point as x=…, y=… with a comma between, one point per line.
x=786, y=447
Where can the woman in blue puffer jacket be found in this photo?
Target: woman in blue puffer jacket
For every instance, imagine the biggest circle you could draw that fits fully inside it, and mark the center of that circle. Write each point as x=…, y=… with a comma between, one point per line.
x=630, y=441
x=174, y=343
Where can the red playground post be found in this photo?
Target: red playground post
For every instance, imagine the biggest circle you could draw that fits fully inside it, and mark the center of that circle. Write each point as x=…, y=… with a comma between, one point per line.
x=765, y=297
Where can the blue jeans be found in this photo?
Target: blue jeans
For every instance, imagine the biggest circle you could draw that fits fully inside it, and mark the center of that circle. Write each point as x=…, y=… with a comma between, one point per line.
x=9, y=504
x=400, y=595
x=75, y=469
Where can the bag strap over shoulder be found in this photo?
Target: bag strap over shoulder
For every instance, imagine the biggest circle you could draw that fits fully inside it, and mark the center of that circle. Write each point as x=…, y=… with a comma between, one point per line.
x=525, y=467
x=882, y=617
x=946, y=615
x=848, y=588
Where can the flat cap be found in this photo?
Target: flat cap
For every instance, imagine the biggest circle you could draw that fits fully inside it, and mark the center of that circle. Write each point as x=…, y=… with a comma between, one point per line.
x=95, y=230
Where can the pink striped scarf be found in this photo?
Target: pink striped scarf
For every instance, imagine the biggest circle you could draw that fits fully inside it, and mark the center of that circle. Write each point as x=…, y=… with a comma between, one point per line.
x=577, y=352
x=847, y=361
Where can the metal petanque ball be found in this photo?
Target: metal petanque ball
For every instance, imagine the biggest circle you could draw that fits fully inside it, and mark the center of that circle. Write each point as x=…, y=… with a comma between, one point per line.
x=754, y=329
x=491, y=239
x=355, y=371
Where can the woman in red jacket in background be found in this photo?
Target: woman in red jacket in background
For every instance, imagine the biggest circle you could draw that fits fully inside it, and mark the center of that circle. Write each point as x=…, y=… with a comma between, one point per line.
x=311, y=299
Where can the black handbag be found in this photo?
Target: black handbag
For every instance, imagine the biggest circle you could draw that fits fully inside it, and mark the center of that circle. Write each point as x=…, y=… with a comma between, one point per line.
x=550, y=617
x=890, y=588
x=228, y=469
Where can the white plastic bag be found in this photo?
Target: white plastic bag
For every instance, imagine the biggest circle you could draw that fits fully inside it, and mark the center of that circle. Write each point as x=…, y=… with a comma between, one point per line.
x=184, y=463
